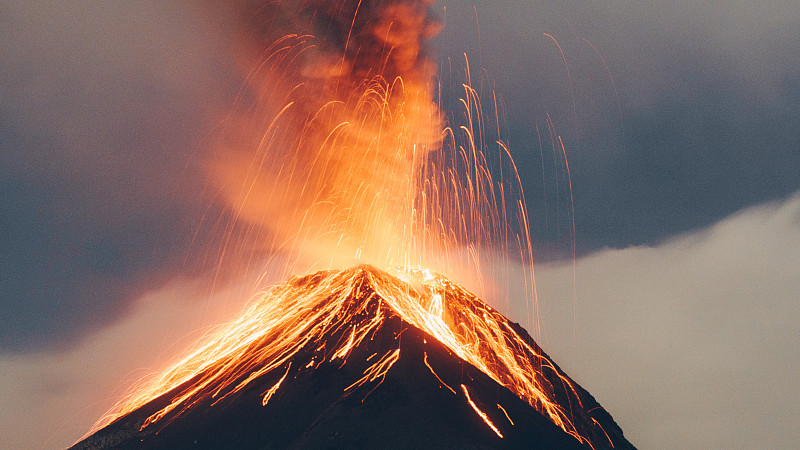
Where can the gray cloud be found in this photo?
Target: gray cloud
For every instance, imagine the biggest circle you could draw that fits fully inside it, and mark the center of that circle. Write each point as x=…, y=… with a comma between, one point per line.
x=51, y=398
x=674, y=115
x=104, y=107
x=691, y=344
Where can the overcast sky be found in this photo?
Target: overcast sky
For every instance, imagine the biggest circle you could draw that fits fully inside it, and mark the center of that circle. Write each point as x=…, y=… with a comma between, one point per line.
x=681, y=125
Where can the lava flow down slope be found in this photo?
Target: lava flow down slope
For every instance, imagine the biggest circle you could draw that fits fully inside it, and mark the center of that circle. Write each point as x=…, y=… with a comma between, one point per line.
x=364, y=358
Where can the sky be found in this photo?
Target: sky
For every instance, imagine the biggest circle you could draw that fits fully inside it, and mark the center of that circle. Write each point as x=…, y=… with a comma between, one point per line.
x=681, y=126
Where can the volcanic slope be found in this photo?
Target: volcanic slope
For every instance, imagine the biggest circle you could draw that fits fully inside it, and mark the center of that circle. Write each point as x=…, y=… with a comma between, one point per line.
x=339, y=359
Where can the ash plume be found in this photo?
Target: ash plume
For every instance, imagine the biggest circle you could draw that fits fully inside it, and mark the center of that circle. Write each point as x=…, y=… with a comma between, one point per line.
x=354, y=39
x=329, y=133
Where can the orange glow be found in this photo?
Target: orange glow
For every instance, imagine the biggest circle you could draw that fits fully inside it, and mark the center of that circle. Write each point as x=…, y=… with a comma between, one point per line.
x=377, y=370
x=604, y=431
x=268, y=395
x=425, y=360
x=334, y=171
x=481, y=413
x=500, y=407
x=295, y=316
x=336, y=163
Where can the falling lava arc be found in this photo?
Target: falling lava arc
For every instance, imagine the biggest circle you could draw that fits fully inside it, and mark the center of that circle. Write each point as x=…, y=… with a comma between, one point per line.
x=362, y=358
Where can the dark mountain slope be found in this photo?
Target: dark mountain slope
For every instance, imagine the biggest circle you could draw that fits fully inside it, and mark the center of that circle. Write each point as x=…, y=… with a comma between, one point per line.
x=399, y=387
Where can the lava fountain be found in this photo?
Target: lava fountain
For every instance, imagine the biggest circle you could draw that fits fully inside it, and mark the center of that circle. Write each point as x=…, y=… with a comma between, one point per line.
x=337, y=123
x=338, y=154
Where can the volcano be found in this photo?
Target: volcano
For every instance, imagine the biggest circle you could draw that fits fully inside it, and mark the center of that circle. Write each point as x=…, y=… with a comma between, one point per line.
x=363, y=358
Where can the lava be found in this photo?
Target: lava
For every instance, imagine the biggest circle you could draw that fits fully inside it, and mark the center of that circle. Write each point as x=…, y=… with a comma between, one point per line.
x=339, y=153
x=296, y=320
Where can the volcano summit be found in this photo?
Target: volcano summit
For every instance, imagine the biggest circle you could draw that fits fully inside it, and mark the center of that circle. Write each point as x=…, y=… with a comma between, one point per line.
x=362, y=358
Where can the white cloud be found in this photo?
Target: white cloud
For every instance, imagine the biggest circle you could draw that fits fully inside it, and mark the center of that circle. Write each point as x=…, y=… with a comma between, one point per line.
x=691, y=344
x=51, y=399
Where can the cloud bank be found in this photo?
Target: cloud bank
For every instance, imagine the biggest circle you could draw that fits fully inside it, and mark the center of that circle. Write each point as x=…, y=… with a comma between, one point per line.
x=693, y=343
x=674, y=115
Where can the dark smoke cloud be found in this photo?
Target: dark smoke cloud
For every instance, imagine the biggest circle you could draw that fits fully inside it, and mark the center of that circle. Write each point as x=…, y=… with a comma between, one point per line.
x=674, y=115
x=365, y=33
x=104, y=107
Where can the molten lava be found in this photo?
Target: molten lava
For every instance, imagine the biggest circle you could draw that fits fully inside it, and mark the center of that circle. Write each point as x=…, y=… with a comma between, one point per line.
x=339, y=153
x=328, y=318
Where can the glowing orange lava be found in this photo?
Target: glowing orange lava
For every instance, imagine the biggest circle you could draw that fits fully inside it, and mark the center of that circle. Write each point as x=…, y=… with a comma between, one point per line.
x=336, y=162
x=299, y=315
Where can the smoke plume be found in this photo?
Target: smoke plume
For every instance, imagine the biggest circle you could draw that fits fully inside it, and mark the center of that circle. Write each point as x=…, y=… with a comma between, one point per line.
x=329, y=132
